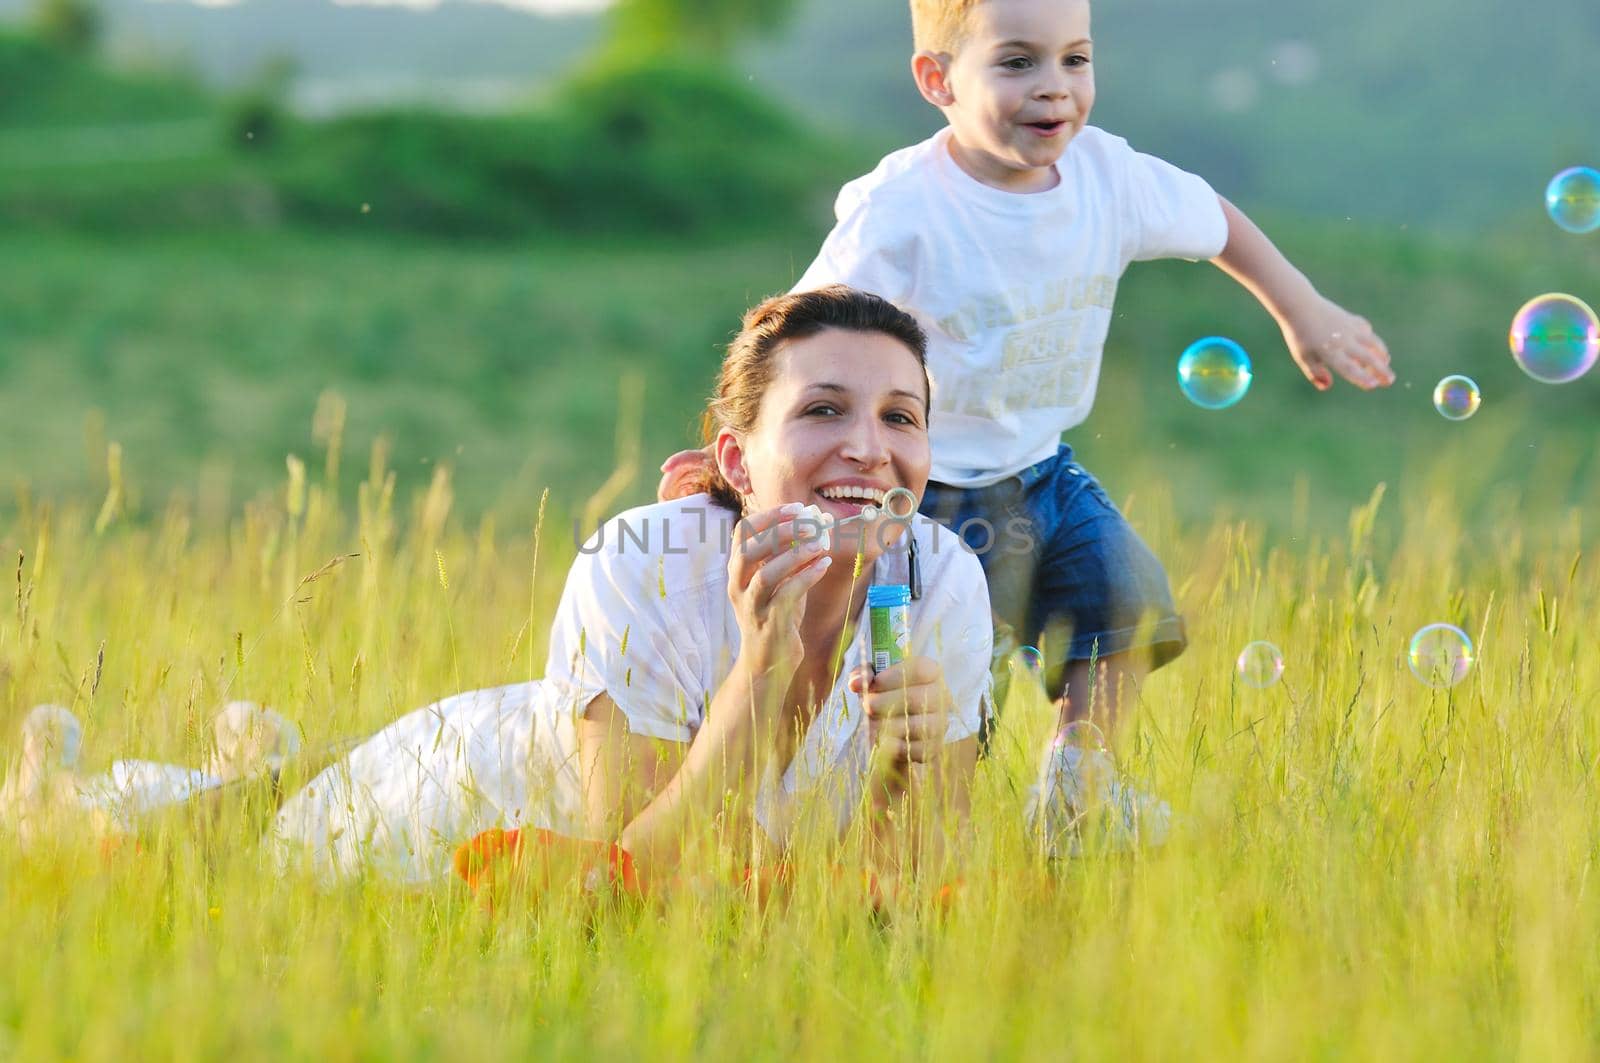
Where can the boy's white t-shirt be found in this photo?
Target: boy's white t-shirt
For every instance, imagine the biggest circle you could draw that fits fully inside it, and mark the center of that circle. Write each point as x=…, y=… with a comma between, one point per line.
x=645, y=618
x=1014, y=290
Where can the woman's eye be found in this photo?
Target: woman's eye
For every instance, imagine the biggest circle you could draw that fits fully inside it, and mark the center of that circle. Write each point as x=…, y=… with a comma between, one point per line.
x=903, y=419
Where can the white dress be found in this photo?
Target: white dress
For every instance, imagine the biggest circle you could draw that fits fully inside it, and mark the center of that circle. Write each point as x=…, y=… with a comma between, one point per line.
x=133, y=788
x=644, y=618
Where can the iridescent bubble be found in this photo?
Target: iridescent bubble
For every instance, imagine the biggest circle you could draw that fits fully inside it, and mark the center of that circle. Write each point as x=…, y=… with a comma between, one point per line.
x=1440, y=655
x=1083, y=734
x=1214, y=373
x=1457, y=397
x=1573, y=199
x=1260, y=665
x=1555, y=338
x=1030, y=658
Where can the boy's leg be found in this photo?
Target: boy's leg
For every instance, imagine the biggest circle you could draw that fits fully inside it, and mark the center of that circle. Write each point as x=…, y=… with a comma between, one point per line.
x=1098, y=581
x=1063, y=563
x=1103, y=596
x=1097, y=691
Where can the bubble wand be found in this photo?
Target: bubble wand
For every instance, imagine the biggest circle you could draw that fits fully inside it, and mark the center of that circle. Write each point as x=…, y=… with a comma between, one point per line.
x=893, y=499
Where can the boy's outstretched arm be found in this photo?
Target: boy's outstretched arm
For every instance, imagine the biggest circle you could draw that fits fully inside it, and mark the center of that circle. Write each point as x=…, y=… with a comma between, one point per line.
x=1321, y=334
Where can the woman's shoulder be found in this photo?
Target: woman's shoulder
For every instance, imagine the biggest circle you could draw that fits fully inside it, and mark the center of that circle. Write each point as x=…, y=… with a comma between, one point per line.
x=674, y=547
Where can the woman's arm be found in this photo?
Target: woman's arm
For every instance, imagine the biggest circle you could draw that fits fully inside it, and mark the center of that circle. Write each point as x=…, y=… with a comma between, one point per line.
x=629, y=794
x=649, y=795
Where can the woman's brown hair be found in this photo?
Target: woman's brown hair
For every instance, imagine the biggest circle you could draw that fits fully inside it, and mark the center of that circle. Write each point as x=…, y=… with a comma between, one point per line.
x=748, y=367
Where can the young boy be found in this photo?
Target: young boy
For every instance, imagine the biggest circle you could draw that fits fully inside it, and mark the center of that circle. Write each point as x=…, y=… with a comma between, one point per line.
x=1005, y=235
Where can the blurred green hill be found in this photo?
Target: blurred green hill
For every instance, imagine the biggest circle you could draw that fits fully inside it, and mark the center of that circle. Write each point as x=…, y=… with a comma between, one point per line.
x=469, y=56
x=50, y=86
x=1439, y=113
x=646, y=147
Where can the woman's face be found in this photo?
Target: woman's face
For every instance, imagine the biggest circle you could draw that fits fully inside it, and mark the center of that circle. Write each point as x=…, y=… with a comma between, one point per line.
x=843, y=421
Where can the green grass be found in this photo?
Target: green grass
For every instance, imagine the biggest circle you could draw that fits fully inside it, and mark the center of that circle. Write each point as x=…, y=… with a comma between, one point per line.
x=1364, y=866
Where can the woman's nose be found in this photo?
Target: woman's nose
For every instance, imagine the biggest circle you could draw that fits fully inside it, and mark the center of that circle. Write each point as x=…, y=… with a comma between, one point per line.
x=866, y=444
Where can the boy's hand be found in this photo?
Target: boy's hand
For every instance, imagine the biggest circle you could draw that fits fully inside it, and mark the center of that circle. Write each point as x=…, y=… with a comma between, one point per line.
x=1324, y=336
x=675, y=473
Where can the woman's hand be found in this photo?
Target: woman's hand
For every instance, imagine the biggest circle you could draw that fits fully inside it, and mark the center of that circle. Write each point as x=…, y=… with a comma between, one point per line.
x=774, y=563
x=908, y=710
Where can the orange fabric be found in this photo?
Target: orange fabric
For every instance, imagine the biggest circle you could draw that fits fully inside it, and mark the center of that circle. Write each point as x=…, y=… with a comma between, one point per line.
x=546, y=860
x=114, y=846
x=540, y=853
x=764, y=880
x=476, y=858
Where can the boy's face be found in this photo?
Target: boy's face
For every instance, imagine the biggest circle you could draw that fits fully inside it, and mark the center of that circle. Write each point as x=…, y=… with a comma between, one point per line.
x=1017, y=90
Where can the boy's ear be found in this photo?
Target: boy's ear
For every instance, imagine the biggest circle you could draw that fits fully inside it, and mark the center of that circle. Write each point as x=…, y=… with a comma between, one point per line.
x=730, y=461
x=931, y=71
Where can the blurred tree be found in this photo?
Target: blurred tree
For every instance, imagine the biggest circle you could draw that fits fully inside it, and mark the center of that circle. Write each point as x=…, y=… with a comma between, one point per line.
x=702, y=27
x=255, y=112
x=70, y=24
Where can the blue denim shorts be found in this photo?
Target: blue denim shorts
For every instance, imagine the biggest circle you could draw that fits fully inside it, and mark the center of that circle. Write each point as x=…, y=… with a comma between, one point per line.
x=1060, y=557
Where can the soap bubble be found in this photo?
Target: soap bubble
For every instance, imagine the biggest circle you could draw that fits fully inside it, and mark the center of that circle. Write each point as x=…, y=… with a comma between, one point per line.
x=1214, y=373
x=1573, y=199
x=1440, y=655
x=1030, y=658
x=1457, y=397
x=1555, y=338
x=1260, y=665
x=1083, y=734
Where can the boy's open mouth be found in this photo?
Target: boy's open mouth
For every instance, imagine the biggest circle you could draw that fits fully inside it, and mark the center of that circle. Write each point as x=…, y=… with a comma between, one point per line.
x=1047, y=128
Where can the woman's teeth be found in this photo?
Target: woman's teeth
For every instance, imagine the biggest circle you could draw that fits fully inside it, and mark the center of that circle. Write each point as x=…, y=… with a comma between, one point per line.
x=871, y=495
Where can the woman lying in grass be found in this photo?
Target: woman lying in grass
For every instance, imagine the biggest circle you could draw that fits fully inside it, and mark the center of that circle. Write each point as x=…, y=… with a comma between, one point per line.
x=706, y=684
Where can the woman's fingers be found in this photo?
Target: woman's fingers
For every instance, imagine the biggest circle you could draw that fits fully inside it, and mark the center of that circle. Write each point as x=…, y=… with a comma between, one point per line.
x=913, y=671
x=753, y=528
x=785, y=577
x=910, y=674
x=784, y=580
x=913, y=738
x=758, y=537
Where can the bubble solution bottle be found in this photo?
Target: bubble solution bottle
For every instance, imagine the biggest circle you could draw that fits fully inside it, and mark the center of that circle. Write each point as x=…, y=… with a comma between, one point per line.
x=889, y=609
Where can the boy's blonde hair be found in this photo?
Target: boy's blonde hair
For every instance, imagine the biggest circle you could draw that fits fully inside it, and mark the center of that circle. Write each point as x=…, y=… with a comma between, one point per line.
x=940, y=25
